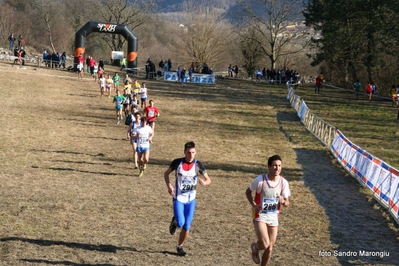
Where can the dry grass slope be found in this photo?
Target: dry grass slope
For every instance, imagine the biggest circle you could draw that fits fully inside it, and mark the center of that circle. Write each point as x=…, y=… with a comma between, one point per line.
x=70, y=195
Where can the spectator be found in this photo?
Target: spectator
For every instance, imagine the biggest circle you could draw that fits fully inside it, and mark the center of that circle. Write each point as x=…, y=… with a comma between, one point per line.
x=123, y=63
x=393, y=95
x=63, y=60
x=230, y=71
x=178, y=73
x=152, y=69
x=101, y=64
x=147, y=68
x=169, y=64
x=53, y=60
x=236, y=70
x=20, y=41
x=88, y=64
x=190, y=74
x=161, y=65
x=369, y=90
x=165, y=66
x=357, y=86
x=11, y=39
x=319, y=83
x=183, y=76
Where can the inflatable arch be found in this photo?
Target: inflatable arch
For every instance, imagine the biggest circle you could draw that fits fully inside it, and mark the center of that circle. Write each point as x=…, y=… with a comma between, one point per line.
x=101, y=27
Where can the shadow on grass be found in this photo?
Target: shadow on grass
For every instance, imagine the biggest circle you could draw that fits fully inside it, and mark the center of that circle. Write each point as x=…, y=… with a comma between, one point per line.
x=76, y=245
x=69, y=152
x=81, y=171
x=355, y=224
x=62, y=263
x=43, y=242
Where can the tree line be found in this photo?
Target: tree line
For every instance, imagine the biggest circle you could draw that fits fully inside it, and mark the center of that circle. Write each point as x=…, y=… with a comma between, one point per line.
x=346, y=40
x=359, y=40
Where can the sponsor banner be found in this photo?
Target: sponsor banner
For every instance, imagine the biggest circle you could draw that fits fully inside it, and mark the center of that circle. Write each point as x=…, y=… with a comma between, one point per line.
x=196, y=78
x=302, y=111
x=290, y=92
x=377, y=175
x=295, y=101
x=117, y=55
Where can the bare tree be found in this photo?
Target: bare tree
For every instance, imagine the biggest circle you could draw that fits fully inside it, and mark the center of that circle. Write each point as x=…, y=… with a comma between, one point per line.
x=270, y=18
x=250, y=49
x=132, y=13
x=204, y=34
x=7, y=20
x=48, y=13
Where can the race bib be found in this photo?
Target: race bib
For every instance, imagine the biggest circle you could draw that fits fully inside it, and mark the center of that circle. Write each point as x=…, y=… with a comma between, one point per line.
x=269, y=205
x=143, y=140
x=187, y=186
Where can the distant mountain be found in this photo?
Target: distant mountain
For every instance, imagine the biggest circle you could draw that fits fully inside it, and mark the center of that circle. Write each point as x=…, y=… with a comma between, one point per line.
x=231, y=7
x=166, y=6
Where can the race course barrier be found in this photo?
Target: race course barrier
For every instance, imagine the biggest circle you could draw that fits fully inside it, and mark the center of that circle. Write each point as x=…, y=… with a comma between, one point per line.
x=369, y=171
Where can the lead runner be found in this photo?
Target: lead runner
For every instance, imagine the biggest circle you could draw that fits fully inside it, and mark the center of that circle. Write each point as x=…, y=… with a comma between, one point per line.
x=272, y=191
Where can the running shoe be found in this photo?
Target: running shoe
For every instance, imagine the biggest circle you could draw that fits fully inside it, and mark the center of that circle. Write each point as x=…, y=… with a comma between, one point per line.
x=118, y=122
x=255, y=253
x=145, y=166
x=181, y=252
x=172, y=226
x=136, y=166
x=141, y=173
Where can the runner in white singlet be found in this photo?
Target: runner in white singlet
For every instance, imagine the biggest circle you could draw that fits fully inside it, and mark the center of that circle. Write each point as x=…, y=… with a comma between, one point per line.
x=271, y=191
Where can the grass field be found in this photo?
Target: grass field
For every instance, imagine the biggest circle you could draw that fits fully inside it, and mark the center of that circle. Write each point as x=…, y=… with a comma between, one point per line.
x=69, y=194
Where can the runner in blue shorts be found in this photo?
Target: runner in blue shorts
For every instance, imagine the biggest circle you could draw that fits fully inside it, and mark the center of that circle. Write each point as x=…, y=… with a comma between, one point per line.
x=143, y=134
x=135, y=123
x=118, y=100
x=184, y=192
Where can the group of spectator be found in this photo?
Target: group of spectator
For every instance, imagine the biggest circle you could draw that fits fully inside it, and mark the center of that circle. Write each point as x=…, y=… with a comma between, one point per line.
x=232, y=71
x=277, y=76
x=54, y=60
x=12, y=40
x=150, y=69
x=165, y=65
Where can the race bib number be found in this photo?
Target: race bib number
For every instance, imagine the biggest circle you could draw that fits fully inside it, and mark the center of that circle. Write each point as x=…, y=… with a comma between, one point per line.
x=143, y=140
x=187, y=186
x=269, y=205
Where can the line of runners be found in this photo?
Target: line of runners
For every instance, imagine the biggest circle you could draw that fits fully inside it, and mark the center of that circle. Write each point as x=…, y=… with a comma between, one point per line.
x=271, y=189
x=140, y=116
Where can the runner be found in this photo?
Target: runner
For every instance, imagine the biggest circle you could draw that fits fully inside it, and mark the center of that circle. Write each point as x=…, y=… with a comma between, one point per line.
x=151, y=112
x=108, y=85
x=136, y=87
x=144, y=95
x=143, y=134
x=118, y=100
x=126, y=102
x=272, y=191
x=102, y=82
x=184, y=192
x=116, y=79
x=134, y=104
x=135, y=123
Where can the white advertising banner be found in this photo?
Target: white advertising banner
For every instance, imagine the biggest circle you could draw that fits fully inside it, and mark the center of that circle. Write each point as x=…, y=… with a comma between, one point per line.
x=196, y=78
